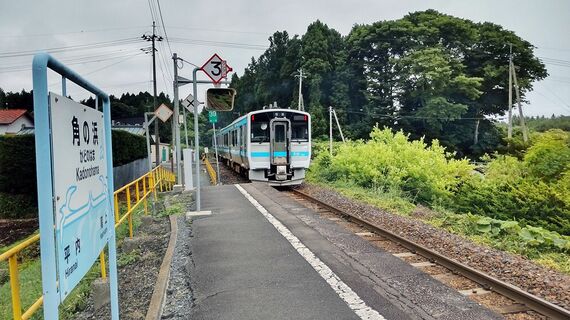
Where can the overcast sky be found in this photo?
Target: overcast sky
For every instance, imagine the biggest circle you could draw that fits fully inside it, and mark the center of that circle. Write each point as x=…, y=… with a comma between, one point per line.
x=238, y=30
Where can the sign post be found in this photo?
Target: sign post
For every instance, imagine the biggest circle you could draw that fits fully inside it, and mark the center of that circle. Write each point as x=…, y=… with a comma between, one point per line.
x=213, y=117
x=75, y=185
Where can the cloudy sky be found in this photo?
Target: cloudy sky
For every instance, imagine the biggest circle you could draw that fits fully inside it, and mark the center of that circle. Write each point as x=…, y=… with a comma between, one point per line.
x=101, y=39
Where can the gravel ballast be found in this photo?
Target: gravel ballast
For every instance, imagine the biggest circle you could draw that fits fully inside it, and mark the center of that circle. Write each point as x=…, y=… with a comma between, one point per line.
x=546, y=283
x=137, y=276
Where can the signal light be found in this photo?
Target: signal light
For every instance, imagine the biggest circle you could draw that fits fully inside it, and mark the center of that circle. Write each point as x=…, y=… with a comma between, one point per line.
x=306, y=117
x=252, y=117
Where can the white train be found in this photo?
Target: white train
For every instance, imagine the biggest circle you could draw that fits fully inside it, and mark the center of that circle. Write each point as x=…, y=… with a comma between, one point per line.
x=272, y=145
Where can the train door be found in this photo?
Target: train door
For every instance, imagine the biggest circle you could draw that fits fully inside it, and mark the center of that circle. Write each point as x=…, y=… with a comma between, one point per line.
x=279, y=142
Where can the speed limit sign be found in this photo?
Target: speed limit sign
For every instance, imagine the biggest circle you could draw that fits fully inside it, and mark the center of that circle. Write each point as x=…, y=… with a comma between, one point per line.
x=216, y=68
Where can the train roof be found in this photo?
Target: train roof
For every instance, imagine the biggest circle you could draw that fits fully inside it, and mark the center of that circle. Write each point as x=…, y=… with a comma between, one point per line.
x=263, y=111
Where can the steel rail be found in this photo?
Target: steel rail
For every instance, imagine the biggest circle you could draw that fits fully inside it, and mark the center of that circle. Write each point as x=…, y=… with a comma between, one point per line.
x=486, y=281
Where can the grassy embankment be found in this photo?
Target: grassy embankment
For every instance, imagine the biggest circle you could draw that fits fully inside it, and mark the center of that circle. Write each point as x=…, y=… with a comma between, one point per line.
x=516, y=205
x=30, y=278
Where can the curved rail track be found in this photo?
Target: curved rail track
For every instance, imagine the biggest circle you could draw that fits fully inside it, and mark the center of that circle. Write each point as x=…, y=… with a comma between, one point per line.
x=524, y=301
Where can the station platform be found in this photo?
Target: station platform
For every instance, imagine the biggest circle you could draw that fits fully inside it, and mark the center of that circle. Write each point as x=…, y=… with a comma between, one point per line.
x=262, y=255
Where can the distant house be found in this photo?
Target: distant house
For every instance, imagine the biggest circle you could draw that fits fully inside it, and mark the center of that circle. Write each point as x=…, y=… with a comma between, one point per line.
x=14, y=120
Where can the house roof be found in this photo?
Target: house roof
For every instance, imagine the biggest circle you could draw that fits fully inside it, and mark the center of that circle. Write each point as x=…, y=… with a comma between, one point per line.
x=10, y=115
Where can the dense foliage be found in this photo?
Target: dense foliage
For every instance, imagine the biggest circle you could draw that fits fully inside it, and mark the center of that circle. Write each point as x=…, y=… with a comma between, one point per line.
x=18, y=191
x=542, y=124
x=128, y=106
x=534, y=190
x=430, y=74
x=127, y=147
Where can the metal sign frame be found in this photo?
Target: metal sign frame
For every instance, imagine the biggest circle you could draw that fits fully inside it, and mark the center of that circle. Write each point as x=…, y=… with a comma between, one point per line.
x=41, y=63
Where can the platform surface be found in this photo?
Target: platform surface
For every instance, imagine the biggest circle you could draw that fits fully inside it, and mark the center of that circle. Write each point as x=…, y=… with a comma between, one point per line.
x=245, y=268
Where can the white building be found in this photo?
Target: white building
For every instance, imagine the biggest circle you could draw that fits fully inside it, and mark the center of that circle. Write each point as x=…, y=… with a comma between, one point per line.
x=14, y=120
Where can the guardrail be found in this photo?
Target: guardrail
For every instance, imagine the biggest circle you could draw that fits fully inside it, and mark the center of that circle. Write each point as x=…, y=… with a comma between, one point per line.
x=211, y=171
x=159, y=179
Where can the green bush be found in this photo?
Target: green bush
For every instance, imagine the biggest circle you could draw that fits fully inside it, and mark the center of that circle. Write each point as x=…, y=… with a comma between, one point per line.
x=549, y=155
x=390, y=162
x=535, y=190
x=127, y=147
x=18, y=191
x=17, y=206
x=18, y=164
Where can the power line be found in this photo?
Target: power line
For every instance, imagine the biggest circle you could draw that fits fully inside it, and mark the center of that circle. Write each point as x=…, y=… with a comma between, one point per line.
x=163, y=26
x=221, y=30
x=235, y=45
x=67, y=62
x=115, y=63
x=72, y=32
x=397, y=117
x=87, y=46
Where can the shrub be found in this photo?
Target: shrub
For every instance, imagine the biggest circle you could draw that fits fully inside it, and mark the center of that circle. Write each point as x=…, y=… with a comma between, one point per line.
x=390, y=161
x=549, y=155
x=18, y=164
x=18, y=168
x=127, y=147
x=17, y=206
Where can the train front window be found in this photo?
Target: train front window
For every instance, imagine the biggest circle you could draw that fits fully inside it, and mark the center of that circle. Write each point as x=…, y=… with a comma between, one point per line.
x=280, y=133
x=260, y=127
x=299, y=131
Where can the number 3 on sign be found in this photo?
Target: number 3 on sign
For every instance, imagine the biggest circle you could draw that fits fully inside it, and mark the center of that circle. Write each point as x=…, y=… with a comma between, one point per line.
x=217, y=66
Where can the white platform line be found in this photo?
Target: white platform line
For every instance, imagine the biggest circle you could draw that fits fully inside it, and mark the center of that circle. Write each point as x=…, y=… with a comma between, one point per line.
x=342, y=289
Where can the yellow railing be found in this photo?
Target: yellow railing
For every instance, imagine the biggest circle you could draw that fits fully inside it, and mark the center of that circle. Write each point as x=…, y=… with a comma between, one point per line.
x=134, y=194
x=211, y=171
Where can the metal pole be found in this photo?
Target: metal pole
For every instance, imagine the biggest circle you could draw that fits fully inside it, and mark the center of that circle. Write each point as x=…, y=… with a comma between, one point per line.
x=330, y=132
x=300, y=86
x=338, y=124
x=185, y=128
x=510, y=120
x=521, y=115
x=176, y=122
x=196, y=138
x=156, y=138
x=146, y=125
x=216, y=151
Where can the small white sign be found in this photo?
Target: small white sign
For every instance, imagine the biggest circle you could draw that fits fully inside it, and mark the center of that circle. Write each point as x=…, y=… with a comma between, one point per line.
x=163, y=112
x=189, y=102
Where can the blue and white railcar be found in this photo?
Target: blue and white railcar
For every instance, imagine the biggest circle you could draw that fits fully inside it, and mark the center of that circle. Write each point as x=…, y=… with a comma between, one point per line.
x=272, y=145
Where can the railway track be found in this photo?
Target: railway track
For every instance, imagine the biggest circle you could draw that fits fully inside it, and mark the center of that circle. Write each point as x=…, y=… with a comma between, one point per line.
x=522, y=305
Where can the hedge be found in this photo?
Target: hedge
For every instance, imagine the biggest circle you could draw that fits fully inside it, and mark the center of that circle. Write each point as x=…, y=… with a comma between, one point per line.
x=18, y=165
x=127, y=147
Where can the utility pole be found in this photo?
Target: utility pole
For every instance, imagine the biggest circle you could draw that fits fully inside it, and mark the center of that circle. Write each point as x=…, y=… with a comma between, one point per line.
x=337, y=123
x=175, y=123
x=154, y=38
x=517, y=88
x=300, y=105
x=330, y=132
x=510, y=119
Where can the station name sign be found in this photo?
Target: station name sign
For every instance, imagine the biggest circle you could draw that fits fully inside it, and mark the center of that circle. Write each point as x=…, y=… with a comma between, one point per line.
x=82, y=196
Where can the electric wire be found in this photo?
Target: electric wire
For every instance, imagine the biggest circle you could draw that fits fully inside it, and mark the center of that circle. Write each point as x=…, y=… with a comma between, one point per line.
x=72, y=32
x=95, y=59
x=397, y=117
x=163, y=26
x=235, y=45
x=86, y=46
